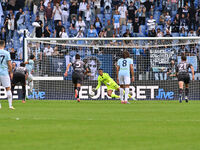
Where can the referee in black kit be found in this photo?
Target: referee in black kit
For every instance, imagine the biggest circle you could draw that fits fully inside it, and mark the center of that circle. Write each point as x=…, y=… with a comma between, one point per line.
x=20, y=75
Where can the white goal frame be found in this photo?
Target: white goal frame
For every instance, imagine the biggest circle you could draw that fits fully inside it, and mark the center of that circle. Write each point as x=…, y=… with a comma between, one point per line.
x=59, y=78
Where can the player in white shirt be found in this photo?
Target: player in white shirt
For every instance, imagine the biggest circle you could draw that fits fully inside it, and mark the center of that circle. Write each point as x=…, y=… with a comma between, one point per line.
x=29, y=67
x=124, y=67
x=5, y=69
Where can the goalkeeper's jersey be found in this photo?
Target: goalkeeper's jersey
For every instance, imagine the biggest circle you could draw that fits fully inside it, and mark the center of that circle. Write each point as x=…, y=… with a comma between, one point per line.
x=106, y=79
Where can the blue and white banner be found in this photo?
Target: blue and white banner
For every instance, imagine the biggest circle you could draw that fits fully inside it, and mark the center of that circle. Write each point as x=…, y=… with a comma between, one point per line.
x=192, y=60
x=93, y=63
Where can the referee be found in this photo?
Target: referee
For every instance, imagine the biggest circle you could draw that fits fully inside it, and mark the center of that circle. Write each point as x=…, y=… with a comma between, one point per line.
x=20, y=75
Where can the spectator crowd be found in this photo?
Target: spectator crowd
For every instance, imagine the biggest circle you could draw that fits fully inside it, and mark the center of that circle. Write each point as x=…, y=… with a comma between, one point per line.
x=97, y=18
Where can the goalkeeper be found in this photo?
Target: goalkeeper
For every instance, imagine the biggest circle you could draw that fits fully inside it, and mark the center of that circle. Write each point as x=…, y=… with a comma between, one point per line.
x=110, y=83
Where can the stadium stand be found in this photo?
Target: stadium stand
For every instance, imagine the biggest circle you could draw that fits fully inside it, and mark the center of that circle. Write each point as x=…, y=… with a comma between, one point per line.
x=39, y=18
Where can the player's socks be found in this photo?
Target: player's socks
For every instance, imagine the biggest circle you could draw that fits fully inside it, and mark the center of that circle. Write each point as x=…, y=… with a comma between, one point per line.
x=115, y=96
x=12, y=89
x=9, y=94
x=121, y=91
x=27, y=83
x=180, y=91
x=186, y=99
x=186, y=91
x=26, y=98
x=180, y=98
x=129, y=95
x=31, y=86
x=126, y=94
x=24, y=92
x=180, y=95
x=186, y=94
x=78, y=90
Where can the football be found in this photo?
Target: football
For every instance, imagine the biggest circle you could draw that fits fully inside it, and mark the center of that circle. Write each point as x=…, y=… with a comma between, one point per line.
x=91, y=94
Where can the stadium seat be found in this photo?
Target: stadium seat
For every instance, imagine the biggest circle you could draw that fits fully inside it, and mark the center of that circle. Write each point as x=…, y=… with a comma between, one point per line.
x=157, y=16
x=175, y=34
x=30, y=29
x=102, y=10
x=72, y=33
x=85, y=32
x=67, y=30
x=143, y=29
x=173, y=14
x=100, y=16
x=15, y=12
x=160, y=27
x=6, y=13
x=123, y=29
x=107, y=17
x=2, y=21
x=103, y=16
x=33, y=18
x=196, y=3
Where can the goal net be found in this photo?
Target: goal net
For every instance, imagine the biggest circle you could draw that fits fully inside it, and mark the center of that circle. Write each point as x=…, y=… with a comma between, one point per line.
x=152, y=57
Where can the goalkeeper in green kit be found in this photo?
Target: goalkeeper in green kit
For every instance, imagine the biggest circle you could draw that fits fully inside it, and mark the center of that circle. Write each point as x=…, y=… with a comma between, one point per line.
x=110, y=84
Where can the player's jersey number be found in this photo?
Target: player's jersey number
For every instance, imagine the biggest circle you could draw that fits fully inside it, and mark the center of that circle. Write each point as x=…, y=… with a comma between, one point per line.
x=124, y=63
x=2, y=58
x=183, y=67
x=78, y=64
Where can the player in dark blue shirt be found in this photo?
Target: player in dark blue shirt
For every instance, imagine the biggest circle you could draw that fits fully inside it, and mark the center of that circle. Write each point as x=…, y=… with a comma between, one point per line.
x=20, y=75
x=79, y=69
x=182, y=72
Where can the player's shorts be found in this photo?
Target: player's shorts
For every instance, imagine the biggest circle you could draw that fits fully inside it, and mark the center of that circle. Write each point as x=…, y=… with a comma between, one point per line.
x=30, y=78
x=18, y=78
x=114, y=86
x=116, y=25
x=184, y=77
x=124, y=80
x=5, y=81
x=77, y=78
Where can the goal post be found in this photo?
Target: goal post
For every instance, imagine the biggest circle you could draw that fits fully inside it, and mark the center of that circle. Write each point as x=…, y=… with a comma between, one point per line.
x=152, y=59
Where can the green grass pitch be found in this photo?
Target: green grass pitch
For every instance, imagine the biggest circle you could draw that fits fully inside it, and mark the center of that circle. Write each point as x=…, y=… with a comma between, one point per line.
x=100, y=125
